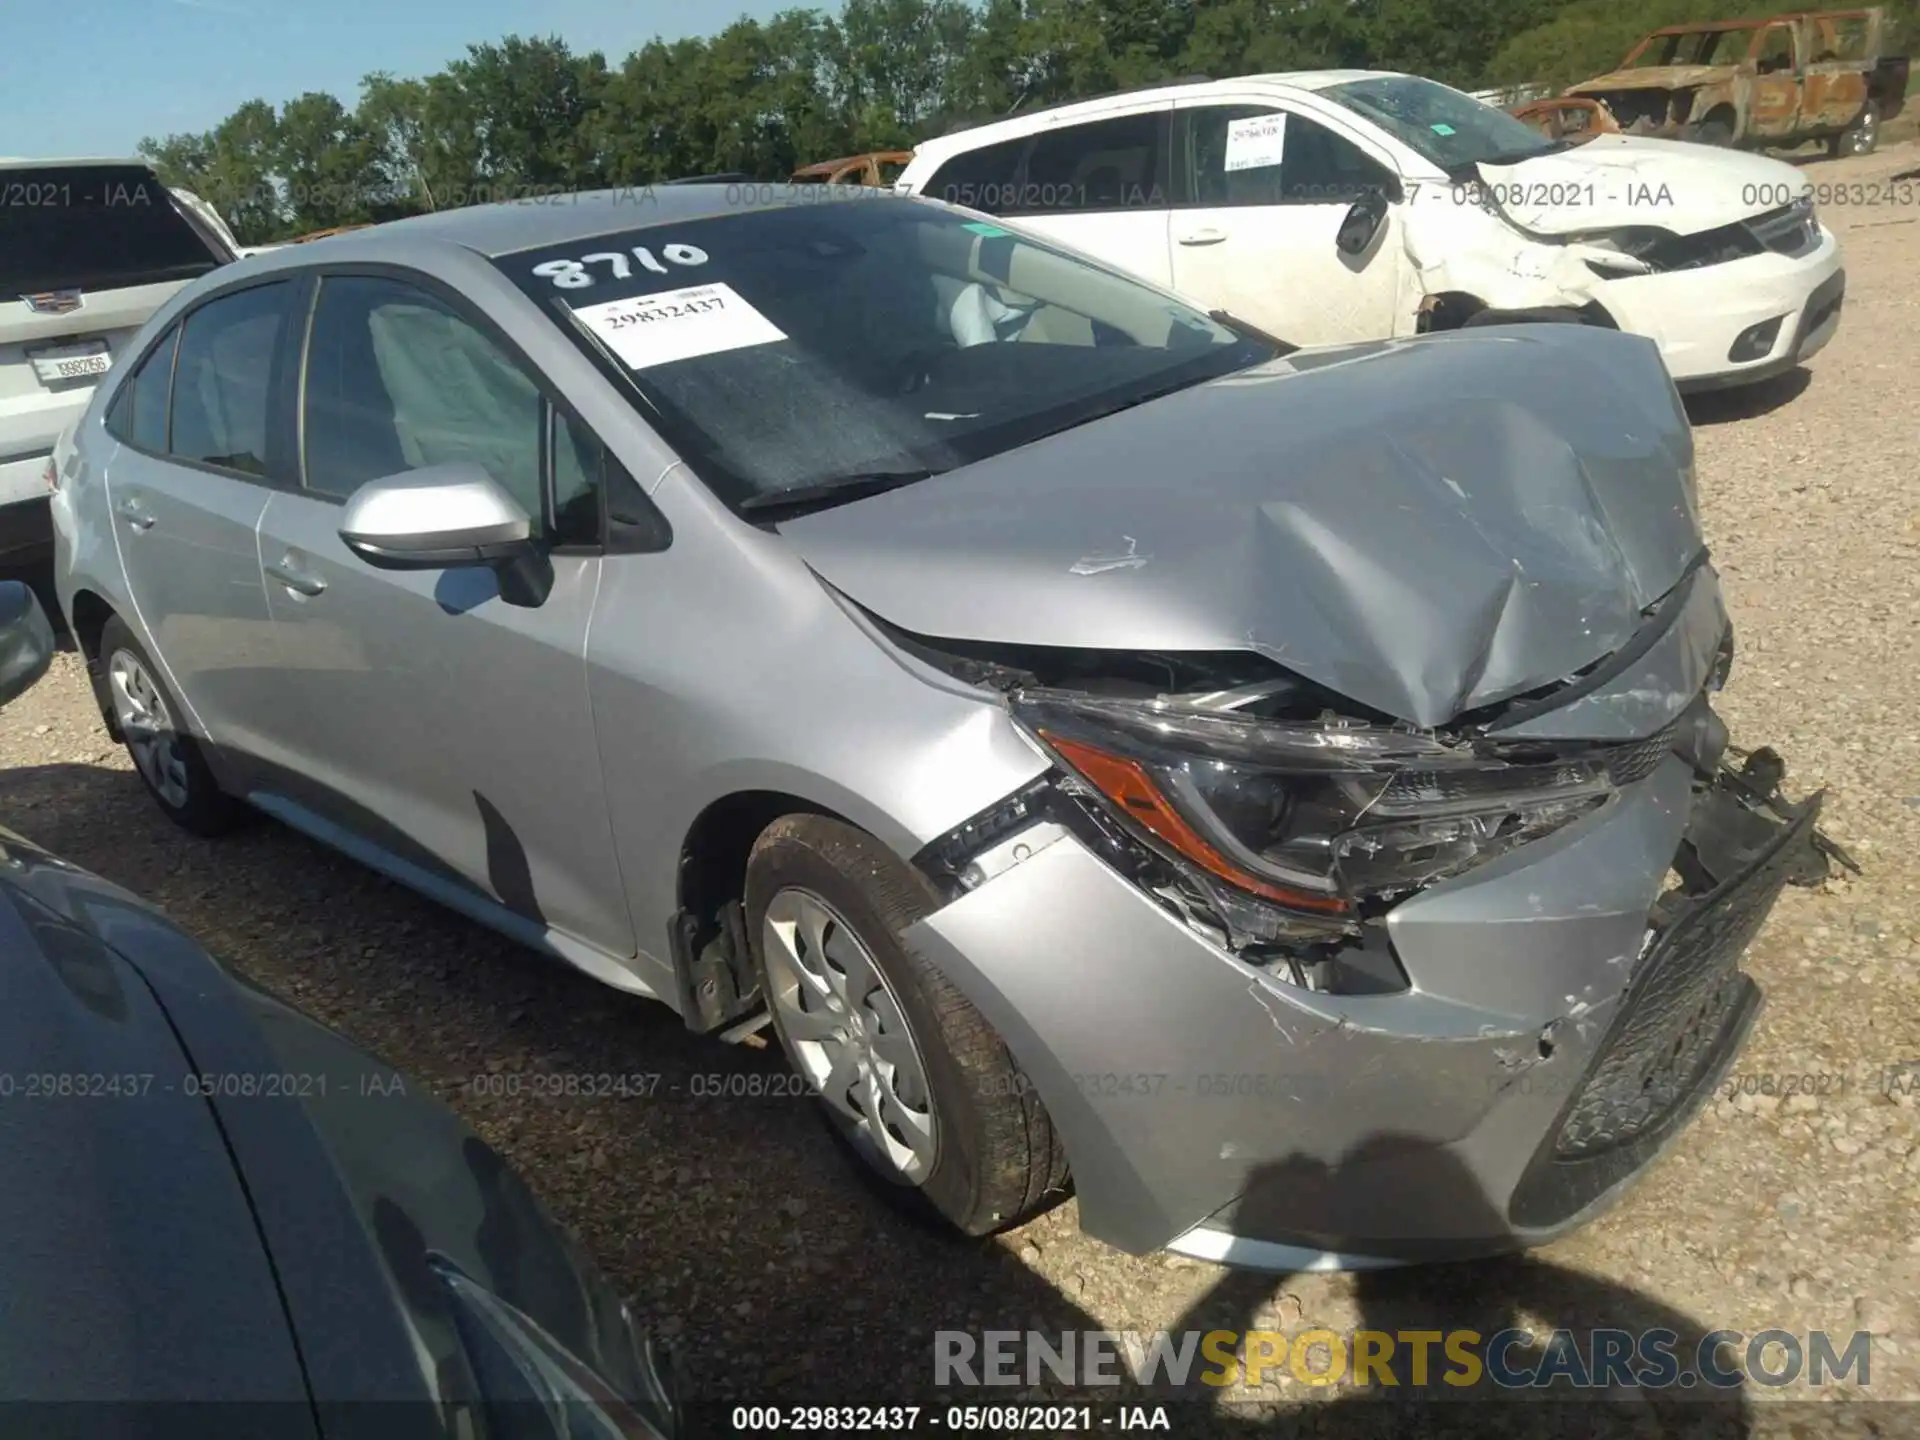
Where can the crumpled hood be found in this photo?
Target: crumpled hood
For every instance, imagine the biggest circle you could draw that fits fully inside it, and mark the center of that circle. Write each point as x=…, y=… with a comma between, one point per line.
x=1614, y=180
x=1425, y=525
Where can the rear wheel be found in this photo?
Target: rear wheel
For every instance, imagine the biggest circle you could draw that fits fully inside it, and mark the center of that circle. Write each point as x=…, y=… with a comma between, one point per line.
x=167, y=757
x=1860, y=138
x=909, y=1073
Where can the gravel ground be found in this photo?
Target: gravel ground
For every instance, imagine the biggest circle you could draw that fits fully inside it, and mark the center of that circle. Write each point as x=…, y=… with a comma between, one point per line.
x=735, y=1224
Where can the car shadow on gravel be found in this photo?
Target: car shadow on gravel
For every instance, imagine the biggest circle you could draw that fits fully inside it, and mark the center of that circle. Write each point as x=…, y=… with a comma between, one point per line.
x=1747, y=402
x=704, y=1182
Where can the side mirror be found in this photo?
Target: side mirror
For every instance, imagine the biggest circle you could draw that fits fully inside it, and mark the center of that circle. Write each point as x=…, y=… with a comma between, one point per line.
x=26, y=640
x=446, y=517
x=1361, y=223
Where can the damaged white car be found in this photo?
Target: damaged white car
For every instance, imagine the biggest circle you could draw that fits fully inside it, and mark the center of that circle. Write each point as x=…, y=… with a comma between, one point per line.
x=1354, y=205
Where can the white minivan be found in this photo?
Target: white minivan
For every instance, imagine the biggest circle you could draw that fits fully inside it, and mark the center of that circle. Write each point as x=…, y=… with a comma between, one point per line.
x=1354, y=205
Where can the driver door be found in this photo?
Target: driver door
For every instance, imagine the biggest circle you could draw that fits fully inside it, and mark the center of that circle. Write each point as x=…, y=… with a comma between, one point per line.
x=1260, y=192
x=1774, y=109
x=422, y=713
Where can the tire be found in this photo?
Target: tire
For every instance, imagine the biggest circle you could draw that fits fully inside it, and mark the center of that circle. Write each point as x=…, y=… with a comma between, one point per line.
x=170, y=764
x=1860, y=138
x=1714, y=130
x=967, y=1136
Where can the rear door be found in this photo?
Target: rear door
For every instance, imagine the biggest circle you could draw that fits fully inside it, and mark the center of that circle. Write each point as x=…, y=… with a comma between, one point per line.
x=87, y=254
x=419, y=711
x=1098, y=184
x=1259, y=194
x=186, y=489
x=1842, y=48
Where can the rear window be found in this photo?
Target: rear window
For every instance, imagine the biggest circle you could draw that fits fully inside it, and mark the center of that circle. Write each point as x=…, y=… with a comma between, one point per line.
x=94, y=227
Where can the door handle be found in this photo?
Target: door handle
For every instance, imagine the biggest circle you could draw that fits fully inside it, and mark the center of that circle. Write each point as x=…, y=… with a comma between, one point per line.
x=299, y=581
x=1209, y=236
x=131, y=511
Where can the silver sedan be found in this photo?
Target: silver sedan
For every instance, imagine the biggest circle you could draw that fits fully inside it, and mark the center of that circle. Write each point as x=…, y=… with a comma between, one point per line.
x=1271, y=792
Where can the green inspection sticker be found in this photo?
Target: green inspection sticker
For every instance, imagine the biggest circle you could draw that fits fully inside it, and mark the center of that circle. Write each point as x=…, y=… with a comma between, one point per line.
x=980, y=227
x=1440, y=129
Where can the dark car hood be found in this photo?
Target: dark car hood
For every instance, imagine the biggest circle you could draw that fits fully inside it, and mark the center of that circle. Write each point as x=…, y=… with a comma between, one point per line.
x=190, y=1230
x=1425, y=526
x=118, y=1197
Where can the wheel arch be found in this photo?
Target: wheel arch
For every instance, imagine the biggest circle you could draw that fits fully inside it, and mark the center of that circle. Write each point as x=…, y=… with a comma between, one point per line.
x=88, y=615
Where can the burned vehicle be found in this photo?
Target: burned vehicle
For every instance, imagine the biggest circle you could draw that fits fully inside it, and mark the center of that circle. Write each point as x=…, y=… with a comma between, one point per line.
x=1566, y=117
x=1273, y=793
x=1822, y=75
x=875, y=169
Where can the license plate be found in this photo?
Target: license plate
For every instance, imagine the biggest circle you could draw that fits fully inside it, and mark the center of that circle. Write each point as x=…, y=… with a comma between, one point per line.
x=54, y=363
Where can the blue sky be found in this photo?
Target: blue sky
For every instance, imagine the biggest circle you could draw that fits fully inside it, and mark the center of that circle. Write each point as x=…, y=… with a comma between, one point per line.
x=92, y=77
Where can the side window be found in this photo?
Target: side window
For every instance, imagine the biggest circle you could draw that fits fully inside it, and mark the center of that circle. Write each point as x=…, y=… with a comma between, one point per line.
x=1240, y=155
x=139, y=413
x=579, y=461
x=1774, y=52
x=1101, y=165
x=223, y=376
x=149, y=393
x=984, y=179
x=396, y=380
x=1113, y=164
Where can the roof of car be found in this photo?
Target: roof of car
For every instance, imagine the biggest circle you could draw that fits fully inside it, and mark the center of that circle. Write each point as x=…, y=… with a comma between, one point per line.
x=34, y=162
x=505, y=227
x=970, y=136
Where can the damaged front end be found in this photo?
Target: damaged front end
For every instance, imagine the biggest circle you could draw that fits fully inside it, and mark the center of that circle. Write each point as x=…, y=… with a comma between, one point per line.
x=1510, y=942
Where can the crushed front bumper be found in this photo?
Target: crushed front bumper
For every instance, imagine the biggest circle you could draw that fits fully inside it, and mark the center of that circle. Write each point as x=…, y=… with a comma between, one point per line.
x=1569, y=1008
x=1696, y=316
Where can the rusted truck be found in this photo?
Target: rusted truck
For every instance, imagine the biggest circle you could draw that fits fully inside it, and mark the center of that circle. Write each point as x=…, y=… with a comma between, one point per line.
x=1566, y=117
x=1820, y=75
x=876, y=168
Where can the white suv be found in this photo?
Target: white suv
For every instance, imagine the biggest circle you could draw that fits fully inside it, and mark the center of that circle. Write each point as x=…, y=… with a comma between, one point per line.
x=88, y=250
x=1355, y=205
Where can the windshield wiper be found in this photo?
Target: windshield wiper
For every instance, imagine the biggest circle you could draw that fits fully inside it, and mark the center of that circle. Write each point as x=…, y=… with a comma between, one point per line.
x=840, y=490
x=1246, y=330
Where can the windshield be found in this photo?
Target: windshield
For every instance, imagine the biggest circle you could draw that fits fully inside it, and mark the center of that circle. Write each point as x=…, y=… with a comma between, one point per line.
x=93, y=227
x=1690, y=47
x=1452, y=130
x=797, y=346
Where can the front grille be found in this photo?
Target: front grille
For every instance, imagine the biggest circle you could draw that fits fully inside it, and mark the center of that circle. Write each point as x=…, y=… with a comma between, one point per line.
x=1683, y=994
x=1638, y=759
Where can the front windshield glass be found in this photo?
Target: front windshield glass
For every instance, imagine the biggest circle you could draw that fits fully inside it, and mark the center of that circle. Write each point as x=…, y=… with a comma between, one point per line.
x=1690, y=47
x=808, y=344
x=1442, y=125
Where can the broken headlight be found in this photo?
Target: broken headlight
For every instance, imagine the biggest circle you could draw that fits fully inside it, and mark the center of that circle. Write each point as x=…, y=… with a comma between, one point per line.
x=1318, y=816
x=1663, y=250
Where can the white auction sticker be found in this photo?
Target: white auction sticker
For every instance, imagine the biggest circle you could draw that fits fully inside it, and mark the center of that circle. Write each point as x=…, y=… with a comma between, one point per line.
x=648, y=330
x=1257, y=141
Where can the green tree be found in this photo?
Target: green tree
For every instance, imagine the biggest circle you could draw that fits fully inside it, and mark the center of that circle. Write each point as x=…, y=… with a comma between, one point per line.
x=330, y=164
x=231, y=167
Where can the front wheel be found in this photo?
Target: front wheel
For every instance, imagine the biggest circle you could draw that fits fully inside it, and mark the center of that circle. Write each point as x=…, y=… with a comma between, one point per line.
x=1714, y=130
x=166, y=755
x=910, y=1074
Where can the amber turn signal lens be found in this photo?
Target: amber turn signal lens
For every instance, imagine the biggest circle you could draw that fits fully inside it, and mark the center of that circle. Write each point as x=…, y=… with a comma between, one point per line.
x=1128, y=785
